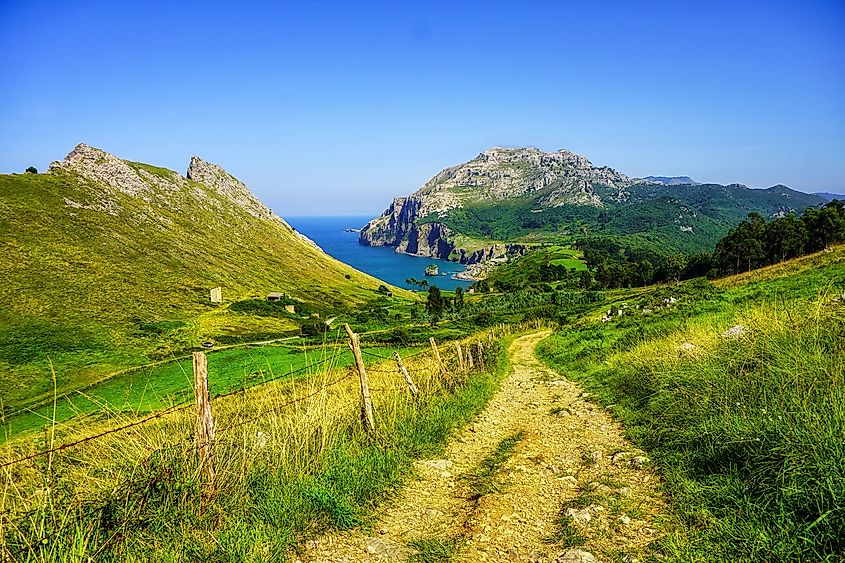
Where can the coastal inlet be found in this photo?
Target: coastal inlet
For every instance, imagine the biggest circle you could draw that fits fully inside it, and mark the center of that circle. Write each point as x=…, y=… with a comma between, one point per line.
x=338, y=236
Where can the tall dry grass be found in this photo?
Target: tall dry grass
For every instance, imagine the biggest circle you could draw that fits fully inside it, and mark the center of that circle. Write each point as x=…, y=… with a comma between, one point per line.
x=291, y=460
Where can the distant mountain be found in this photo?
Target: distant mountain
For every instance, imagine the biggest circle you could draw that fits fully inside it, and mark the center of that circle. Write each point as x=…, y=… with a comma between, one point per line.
x=508, y=197
x=108, y=263
x=827, y=196
x=671, y=180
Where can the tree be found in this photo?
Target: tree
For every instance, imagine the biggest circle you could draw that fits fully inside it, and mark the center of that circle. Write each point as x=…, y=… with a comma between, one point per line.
x=586, y=279
x=675, y=266
x=824, y=226
x=645, y=272
x=742, y=245
x=482, y=286
x=749, y=248
x=435, y=304
x=32, y=170
x=726, y=254
x=699, y=265
x=458, y=300
x=784, y=238
x=313, y=328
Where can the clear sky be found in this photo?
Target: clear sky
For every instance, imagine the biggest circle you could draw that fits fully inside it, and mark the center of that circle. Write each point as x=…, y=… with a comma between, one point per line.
x=335, y=107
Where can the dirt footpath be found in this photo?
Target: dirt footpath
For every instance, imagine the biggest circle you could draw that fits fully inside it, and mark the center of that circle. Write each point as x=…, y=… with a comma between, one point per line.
x=571, y=488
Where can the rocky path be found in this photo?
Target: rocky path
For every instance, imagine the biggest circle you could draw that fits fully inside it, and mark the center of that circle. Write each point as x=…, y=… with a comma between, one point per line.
x=570, y=489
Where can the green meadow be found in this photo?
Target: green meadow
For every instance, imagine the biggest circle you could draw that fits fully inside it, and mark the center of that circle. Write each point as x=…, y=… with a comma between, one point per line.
x=149, y=389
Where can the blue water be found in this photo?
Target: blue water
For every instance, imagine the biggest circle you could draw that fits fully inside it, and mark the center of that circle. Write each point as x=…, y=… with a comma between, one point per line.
x=378, y=261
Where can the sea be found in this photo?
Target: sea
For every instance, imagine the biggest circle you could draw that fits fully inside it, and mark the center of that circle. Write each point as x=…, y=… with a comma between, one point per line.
x=382, y=262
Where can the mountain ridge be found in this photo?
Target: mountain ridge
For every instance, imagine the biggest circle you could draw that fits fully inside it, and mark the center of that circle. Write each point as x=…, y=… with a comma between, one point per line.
x=505, y=197
x=671, y=180
x=830, y=196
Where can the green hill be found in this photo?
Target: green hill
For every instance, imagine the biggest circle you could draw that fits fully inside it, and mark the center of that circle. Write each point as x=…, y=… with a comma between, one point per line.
x=523, y=195
x=108, y=263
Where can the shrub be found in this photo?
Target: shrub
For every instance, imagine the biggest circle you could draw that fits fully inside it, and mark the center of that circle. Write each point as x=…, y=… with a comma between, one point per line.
x=314, y=328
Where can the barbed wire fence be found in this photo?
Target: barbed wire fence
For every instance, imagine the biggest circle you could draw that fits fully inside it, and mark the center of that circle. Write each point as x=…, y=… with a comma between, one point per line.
x=36, y=529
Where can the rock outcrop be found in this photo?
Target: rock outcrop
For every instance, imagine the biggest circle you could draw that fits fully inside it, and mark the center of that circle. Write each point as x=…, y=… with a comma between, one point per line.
x=103, y=168
x=394, y=225
x=552, y=179
x=159, y=187
x=214, y=176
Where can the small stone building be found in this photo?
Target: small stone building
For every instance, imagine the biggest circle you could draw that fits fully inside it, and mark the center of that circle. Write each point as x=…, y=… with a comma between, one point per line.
x=216, y=295
x=275, y=296
x=290, y=309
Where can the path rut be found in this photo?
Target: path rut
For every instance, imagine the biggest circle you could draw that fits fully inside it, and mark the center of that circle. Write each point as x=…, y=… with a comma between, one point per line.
x=572, y=481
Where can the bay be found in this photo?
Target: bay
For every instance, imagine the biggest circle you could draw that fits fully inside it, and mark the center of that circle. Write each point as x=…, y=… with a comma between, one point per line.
x=381, y=262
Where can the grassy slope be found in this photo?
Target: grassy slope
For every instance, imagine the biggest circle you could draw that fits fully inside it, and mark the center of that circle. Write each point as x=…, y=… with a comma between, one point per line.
x=283, y=475
x=526, y=269
x=748, y=431
x=93, y=292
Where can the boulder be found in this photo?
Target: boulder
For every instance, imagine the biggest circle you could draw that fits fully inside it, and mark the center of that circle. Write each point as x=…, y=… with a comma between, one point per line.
x=576, y=556
x=734, y=332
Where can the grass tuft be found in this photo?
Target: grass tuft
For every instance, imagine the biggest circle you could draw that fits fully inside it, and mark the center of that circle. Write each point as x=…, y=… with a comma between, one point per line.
x=482, y=479
x=435, y=549
x=566, y=534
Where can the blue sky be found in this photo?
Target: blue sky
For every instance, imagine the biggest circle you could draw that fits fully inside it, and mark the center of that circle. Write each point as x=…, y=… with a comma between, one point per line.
x=335, y=107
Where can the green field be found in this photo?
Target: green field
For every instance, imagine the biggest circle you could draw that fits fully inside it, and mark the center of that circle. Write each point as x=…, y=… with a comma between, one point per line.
x=547, y=265
x=153, y=388
x=569, y=258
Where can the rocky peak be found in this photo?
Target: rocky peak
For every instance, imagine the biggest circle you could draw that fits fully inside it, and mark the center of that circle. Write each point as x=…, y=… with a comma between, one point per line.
x=214, y=176
x=156, y=185
x=554, y=178
x=549, y=179
x=101, y=167
x=534, y=156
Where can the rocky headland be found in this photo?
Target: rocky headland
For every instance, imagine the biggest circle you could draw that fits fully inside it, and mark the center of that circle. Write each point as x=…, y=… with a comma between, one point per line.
x=432, y=221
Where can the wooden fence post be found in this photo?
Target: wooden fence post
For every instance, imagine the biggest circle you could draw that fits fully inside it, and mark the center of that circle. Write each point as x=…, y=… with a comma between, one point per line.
x=460, y=356
x=443, y=371
x=469, y=358
x=481, y=356
x=411, y=386
x=366, y=402
x=205, y=421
